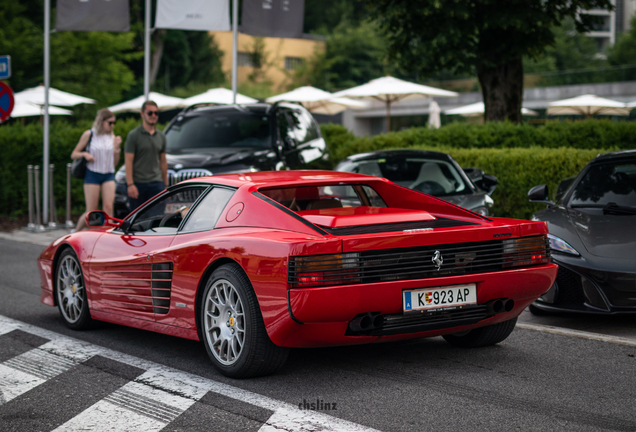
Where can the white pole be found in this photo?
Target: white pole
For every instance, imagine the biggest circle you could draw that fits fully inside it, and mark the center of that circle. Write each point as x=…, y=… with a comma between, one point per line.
x=47, y=84
x=147, y=52
x=234, y=48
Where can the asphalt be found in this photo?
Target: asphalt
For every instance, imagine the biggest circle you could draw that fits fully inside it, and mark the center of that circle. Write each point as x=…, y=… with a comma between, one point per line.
x=616, y=329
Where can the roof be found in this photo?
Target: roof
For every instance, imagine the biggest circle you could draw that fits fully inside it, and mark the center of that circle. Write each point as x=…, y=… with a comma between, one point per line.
x=257, y=108
x=614, y=155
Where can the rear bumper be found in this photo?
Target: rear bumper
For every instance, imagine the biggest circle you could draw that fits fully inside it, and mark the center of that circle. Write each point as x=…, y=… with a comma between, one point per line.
x=325, y=313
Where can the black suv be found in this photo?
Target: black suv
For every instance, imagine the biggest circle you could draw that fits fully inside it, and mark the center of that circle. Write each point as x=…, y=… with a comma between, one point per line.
x=204, y=140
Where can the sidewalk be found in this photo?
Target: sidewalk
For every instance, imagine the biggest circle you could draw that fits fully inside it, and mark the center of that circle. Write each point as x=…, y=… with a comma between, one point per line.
x=43, y=238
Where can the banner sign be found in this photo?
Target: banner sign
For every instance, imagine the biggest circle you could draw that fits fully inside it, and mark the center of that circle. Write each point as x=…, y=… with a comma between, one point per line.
x=92, y=15
x=273, y=18
x=204, y=15
x=5, y=67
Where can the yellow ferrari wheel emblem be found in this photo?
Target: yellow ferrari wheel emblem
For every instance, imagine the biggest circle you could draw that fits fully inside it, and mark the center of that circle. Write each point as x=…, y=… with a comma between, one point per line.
x=231, y=322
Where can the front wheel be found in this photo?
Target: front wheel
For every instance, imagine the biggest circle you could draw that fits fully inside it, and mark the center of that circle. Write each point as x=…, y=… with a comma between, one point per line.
x=234, y=334
x=482, y=336
x=70, y=287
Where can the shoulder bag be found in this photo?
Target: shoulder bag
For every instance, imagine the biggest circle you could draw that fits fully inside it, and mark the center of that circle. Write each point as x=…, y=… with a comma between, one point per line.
x=78, y=167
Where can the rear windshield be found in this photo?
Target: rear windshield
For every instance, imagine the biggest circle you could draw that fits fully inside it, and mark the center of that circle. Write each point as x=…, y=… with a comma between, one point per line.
x=607, y=183
x=223, y=130
x=323, y=197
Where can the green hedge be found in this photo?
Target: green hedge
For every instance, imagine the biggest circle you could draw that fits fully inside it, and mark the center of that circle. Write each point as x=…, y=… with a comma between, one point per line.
x=518, y=170
x=521, y=156
x=22, y=145
x=589, y=134
x=504, y=150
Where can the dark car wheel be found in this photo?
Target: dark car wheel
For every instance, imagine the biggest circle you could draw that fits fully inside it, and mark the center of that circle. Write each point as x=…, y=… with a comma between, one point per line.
x=233, y=330
x=482, y=336
x=72, y=300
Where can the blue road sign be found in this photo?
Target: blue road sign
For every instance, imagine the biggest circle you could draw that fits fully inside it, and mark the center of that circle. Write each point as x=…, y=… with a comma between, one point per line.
x=5, y=67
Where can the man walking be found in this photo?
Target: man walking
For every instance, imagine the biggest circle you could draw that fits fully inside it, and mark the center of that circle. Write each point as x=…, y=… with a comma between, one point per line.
x=145, y=158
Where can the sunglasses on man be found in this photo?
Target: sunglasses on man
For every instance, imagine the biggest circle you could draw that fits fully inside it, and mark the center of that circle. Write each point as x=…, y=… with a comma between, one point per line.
x=152, y=113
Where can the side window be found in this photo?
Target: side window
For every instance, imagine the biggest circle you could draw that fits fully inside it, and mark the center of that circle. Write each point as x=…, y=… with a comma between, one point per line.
x=284, y=128
x=165, y=215
x=207, y=212
x=303, y=126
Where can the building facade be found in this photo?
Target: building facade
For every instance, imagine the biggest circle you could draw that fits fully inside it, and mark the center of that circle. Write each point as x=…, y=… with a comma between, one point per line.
x=279, y=57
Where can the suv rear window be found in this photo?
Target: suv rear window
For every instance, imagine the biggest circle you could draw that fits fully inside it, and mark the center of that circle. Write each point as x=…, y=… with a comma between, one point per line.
x=223, y=130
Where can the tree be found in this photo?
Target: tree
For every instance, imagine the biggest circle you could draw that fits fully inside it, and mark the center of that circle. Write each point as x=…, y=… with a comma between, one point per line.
x=624, y=50
x=489, y=37
x=92, y=64
x=354, y=55
x=21, y=37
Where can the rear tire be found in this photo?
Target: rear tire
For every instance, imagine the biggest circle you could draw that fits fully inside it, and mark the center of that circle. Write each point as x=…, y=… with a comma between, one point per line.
x=482, y=336
x=232, y=327
x=70, y=292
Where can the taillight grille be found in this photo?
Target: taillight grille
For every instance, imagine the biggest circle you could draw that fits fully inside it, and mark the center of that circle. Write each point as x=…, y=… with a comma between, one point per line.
x=417, y=263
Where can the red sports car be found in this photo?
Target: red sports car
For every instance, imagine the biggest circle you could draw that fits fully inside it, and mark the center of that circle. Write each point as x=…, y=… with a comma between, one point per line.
x=254, y=264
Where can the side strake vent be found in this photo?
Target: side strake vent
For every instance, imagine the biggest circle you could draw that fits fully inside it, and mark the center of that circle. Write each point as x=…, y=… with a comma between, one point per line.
x=138, y=287
x=417, y=262
x=161, y=287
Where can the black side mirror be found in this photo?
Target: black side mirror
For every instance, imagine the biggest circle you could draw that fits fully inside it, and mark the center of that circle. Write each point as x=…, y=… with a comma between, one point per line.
x=539, y=194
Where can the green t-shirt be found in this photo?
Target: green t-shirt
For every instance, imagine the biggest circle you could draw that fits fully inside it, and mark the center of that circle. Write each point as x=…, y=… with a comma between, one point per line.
x=146, y=148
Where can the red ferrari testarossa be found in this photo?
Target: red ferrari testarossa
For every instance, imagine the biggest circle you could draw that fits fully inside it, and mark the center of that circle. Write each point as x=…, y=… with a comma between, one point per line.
x=254, y=264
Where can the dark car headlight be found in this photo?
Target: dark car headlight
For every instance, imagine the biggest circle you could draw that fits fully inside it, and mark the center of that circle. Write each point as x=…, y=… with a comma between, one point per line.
x=557, y=244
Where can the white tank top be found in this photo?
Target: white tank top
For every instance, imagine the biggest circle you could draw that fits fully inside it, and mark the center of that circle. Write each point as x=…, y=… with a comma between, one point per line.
x=101, y=148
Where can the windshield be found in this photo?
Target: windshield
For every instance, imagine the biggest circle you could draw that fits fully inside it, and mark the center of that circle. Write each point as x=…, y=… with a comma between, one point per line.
x=220, y=130
x=613, y=182
x=431, y=176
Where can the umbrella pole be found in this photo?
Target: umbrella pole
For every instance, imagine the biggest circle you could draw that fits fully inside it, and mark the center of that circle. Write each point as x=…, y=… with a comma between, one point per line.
x=388, y=116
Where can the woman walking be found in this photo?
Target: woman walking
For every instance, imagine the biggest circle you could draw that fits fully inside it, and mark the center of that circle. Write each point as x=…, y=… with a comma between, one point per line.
x=100, y=147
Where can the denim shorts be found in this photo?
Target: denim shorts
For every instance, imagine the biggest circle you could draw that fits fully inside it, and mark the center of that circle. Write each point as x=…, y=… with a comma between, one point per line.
x=93, y=177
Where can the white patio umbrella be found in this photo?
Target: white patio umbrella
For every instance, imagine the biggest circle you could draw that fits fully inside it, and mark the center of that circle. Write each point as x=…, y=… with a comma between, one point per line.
x=26, y=109
x=433, y=115
x=588, y=105
x=390, y=90
x=219, y=95
x=478, y=109
x=317, y=101
x=163, y=103
x=56, y=97
x=631, y=104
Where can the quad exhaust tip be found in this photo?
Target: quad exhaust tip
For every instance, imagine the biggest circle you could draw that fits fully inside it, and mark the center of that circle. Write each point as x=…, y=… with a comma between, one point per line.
x=500, y=305
x=367, y=321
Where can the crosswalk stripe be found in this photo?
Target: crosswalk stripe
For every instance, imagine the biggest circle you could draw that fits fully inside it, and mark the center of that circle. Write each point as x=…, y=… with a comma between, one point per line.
x=13, y=383
x=155, y=398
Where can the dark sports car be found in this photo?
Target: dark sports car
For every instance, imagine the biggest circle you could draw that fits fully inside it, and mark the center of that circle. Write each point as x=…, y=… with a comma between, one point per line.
x=592, y=228
x=255, y=263
x=431, y=172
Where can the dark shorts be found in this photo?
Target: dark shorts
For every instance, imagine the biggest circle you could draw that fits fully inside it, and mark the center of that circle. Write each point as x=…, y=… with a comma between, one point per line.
x=146, y=191
x=93, y=177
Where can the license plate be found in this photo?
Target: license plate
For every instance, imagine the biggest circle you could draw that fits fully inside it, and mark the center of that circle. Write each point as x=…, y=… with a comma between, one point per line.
x=439, y=298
